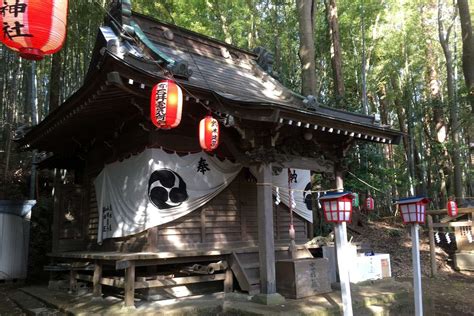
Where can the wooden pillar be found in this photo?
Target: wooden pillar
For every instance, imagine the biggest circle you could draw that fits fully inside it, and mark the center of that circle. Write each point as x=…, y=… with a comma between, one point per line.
x=96, y=285
x=72, y=281
x=228, y=281
x=434, y=269
x=266, y=242
x=56, y=209
x=152, y=239
x=129, y=295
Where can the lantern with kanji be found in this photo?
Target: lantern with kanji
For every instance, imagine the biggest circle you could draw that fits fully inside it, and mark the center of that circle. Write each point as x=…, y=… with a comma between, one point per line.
x=452, y=208
x=369, y=203
x=337, y=206
x=413, y=209
x=166, y=104
x=33, y=28
x=209, y=133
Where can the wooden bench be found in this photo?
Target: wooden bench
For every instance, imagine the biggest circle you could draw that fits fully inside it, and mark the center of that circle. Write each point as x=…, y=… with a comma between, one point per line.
x=72, y=269
x=128, y=262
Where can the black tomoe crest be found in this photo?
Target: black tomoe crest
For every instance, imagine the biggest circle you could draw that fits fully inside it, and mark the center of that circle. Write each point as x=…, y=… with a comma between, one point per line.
x=307, y=196
x=166, y=189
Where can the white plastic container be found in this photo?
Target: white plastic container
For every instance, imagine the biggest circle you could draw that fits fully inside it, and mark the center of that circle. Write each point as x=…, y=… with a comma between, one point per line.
x=14, y=238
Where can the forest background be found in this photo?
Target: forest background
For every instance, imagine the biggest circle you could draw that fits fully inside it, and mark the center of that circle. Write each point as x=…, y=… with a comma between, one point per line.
x=409, y=62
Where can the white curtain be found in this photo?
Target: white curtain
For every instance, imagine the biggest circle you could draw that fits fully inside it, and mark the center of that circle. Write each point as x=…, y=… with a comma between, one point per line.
x=155, y=187
x=301, y=191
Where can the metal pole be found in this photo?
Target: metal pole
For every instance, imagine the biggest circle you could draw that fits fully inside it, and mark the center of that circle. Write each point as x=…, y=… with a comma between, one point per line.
x=416, y=269
x=342, y=260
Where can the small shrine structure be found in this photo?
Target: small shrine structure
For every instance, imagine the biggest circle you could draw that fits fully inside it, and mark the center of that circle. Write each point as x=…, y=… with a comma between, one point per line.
x=146, y=200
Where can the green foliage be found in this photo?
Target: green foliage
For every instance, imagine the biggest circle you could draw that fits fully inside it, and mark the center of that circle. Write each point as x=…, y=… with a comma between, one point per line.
x=397, y=34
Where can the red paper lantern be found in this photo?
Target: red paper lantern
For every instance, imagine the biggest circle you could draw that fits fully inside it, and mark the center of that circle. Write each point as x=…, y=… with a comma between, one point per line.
x=413, y=209
x=33, y=28
x=209, y=133
x=452, y=208
x=166, y=104
x=369, y=203
x=337, y=206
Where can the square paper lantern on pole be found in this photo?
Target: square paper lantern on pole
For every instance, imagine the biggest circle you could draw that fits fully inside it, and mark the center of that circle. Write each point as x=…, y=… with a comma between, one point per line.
x=413, y=209
x=337, y=206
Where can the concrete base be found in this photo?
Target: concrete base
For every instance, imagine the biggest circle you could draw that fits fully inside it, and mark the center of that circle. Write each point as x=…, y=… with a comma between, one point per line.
x=464, y=261
x=268, y=299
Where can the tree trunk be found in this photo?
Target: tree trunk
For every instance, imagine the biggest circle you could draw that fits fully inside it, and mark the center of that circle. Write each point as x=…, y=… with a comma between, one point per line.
x=307, y=52
x=55, y=82
x=402, y=122
x=453, y=106
x=467, y=49
x=336, y=54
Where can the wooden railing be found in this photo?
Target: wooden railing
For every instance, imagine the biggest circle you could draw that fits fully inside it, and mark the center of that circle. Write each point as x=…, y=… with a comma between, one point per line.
x=461, y=230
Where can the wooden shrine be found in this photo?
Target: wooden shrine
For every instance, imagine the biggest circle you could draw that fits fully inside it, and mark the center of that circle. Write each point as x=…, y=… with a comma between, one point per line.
x=264, y=125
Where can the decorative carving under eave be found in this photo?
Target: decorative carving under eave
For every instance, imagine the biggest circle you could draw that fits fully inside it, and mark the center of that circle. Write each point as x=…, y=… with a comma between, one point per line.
x=180, y=69
x=265, y=60
x=262, y=155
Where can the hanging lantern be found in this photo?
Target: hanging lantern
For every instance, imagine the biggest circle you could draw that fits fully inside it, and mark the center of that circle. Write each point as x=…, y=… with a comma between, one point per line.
x=166, y=104
x=413, y=209
x=33, y=28
x=337, y=206
x=209, y=133
x=452, y=208
x=369, y=203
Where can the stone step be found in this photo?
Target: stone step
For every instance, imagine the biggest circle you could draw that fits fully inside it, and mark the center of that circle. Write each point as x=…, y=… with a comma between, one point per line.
x=31, y=305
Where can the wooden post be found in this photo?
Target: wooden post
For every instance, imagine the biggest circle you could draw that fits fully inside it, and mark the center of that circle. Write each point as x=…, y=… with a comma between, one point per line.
x=228, y=281
x=152, y=239
x=415, y=252
x=266, y=242
x=434, y=271
x=129, y=295
x=96, y=285
x=72, y=281
x=56, y=209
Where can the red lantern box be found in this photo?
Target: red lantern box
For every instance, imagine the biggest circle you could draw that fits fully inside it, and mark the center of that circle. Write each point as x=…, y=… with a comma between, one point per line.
x=369, y=204
x=166, y=104
x=209, y=133
x=337, y=206
x=413, y=209
x=33, y=28
x=452, y=208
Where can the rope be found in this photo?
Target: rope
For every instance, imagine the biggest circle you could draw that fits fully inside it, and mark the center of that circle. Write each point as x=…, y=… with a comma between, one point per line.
x=370, y=186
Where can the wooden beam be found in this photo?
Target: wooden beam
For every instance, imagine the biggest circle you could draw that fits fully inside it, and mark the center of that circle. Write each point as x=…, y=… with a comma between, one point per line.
x=453, y=224
x=266, y=242
x=180, y=281
x=463, y=210
x=306, y=163
x=129, y=289
x=119, y=282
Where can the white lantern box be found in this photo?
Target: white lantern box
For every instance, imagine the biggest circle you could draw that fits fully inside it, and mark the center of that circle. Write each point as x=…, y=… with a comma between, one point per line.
x=413, y=209
x=337, y=206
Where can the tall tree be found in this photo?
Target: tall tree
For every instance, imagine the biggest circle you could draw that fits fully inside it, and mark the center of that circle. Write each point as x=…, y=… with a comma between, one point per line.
x=336, y=53
x=444, y=37
x=307, y=51
x=467, y=49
